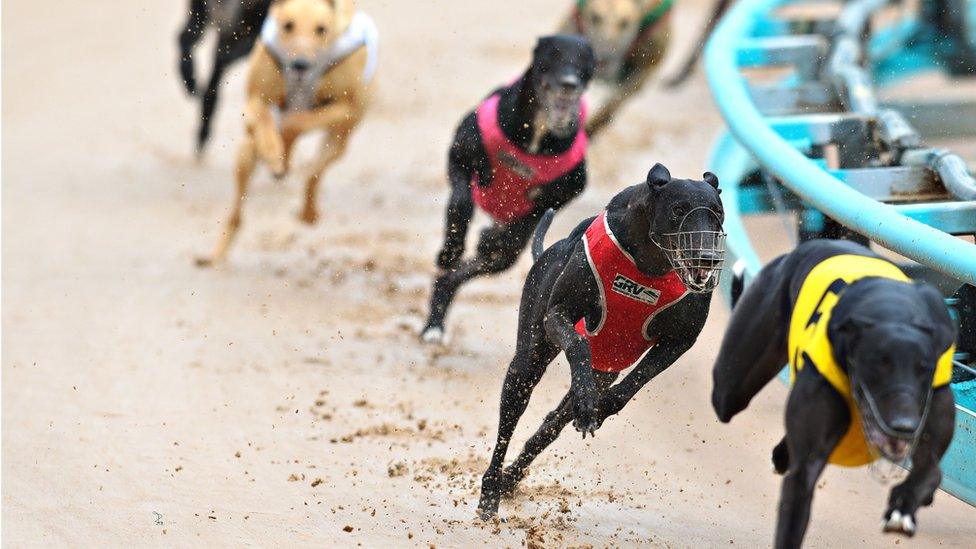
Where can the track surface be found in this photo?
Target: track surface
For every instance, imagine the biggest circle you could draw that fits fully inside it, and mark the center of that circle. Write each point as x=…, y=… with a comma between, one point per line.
x=285, y=398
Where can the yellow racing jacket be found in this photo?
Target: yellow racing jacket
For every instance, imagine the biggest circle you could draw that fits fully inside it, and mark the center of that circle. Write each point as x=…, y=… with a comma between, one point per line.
x=808, y=344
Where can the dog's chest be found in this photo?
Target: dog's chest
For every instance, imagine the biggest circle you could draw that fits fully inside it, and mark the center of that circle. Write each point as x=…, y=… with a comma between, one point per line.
x=629, y=301
x=300, y=91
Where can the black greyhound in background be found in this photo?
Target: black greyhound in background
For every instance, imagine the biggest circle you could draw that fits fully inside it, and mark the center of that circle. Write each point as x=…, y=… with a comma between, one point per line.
x=870, y=354
x=238, y=24
x=514, y=165
x=637, y=277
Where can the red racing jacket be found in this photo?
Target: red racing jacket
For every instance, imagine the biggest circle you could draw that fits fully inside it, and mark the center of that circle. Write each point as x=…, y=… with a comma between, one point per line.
x=513, y=171
x=629, y=299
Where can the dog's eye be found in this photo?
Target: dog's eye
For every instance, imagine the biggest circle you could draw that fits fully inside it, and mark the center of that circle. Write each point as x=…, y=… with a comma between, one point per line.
x=623, y=25
x=288, y=26
x=596, y=19
x=320, y=30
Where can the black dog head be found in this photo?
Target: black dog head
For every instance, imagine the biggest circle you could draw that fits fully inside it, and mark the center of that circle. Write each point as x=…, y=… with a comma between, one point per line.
x=562, y=66
x=890, y=335
x=684, y=219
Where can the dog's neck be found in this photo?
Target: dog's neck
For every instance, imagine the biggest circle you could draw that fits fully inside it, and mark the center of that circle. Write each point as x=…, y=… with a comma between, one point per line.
x=631, y=228
x=523, y=121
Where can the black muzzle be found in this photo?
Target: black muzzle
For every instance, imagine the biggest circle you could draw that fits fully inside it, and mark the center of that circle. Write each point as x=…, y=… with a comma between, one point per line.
x=697, y=256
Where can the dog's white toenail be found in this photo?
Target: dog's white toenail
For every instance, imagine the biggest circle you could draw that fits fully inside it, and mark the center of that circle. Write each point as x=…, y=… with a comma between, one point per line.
x=899, y=523
x=433, y=336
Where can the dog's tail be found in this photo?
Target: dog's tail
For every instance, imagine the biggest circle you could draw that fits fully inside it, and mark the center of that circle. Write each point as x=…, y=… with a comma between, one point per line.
x=540, y=233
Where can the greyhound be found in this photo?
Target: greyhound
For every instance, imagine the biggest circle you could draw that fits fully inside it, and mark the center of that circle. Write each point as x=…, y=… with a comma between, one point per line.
x=870, y=357
x=521, y=152
x=312, y=71
x=238, y=23
x=630, y=39
x=631, y=285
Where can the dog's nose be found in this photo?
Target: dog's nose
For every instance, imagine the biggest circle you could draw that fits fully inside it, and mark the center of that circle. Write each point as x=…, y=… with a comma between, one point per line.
x=710, y=258
x=905, y=424
x=300, y=65
x=570, y=82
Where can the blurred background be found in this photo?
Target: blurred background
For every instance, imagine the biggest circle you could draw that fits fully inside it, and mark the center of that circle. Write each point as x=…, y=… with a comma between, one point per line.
x=284, y=398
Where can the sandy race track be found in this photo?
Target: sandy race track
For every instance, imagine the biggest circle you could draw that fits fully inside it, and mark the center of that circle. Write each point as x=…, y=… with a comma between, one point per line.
x=285, y=399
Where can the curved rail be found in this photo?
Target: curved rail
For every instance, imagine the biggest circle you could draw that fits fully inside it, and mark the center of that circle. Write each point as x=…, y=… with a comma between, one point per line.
x=880, y=222
x=763, y=145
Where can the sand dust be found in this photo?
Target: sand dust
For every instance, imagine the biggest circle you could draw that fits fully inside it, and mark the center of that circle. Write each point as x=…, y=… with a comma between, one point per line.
x=284, y=399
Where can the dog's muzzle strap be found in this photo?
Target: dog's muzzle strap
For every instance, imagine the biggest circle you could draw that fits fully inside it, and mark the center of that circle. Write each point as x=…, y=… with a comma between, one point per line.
x=872, y=406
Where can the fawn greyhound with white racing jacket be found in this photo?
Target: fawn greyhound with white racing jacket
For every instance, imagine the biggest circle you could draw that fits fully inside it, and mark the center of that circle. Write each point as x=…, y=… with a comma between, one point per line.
x=312, y=70
x=629, y=39
x=521, y=152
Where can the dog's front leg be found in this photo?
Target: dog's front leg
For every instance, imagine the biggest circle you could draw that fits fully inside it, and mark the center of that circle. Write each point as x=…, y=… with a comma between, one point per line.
x=335, y=113
x=260, y=124
x=560, y=328
x=796, y=497
x=816, y=420
x=658, y=359
x=246, y=159
x=918, y=489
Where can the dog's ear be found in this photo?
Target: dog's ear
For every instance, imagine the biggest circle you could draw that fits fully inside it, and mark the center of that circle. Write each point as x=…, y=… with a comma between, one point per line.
x=934, y=319
x=712, y=180
x=658, y=177
x=844, y=331
x=541, y=44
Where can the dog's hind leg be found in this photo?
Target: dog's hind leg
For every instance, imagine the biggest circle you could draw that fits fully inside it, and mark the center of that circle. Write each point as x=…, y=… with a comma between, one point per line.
x=547, y=433
x=498, y=249
x=442, y=295
x=246, y=159
x=460, y=209
x=753, y=349
x=196, y=23
x=919, y=488
x=523, y=375
x=230, y=47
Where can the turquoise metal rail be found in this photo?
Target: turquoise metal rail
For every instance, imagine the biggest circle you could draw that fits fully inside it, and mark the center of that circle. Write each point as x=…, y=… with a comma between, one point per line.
x=760, y=144
x=881, y=223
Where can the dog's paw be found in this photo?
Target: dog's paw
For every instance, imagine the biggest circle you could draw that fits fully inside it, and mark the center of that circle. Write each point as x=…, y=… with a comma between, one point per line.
x=585, y=413
x=899, y=523
x=488, y=503
x=203, y=262
x=433, y=335
x=278, y=170
x=309, y=216
x=509, y=482
x=486, y=514
x=190, y=85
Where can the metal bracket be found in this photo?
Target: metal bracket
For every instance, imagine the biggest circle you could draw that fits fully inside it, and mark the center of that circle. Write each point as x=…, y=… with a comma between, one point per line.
x=896, y=184
x=805, y=52
x=805, y=98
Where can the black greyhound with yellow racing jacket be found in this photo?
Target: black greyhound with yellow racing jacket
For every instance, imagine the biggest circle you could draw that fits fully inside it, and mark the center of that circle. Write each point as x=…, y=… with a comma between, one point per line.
x=870, y=355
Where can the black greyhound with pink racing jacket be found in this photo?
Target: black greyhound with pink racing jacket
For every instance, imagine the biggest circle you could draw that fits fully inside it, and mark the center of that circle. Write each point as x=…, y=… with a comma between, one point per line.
x=520, y=153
